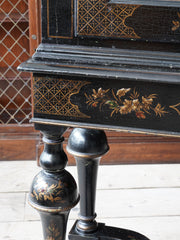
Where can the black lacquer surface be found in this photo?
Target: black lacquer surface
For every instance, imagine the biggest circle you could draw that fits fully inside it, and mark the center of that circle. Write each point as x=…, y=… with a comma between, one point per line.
x=110, y=103
x=78, y=21
x=102, y=64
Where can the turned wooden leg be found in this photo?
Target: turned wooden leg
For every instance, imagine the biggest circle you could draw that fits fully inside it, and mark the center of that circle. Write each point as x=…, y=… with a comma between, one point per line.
x=53, y=192
x=87, y=146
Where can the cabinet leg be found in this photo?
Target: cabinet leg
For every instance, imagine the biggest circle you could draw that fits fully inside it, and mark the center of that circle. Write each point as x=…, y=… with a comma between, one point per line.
x=88, y=146
x=53, y=192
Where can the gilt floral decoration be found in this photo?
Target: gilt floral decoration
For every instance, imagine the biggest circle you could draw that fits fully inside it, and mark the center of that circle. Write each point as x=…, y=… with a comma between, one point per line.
x=53, y=232
x=51, y=193
x=125, y=101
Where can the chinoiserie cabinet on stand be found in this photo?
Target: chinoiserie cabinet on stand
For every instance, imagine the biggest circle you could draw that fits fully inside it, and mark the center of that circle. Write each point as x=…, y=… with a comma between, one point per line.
x=101, y=65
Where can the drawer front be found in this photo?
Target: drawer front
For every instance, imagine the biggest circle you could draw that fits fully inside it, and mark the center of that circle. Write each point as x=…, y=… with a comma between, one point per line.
x=103, y=19
x=74, y=20
x=107, y=103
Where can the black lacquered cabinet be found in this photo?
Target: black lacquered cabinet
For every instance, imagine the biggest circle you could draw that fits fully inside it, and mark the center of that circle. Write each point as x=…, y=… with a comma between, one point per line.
x=102, y=65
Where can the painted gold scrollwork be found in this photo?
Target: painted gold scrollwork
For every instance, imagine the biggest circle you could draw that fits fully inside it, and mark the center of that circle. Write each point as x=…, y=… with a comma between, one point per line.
x=97, y=18
x=53, y=96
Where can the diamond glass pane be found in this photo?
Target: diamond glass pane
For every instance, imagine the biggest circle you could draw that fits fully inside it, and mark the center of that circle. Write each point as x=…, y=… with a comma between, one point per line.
x=15, y=87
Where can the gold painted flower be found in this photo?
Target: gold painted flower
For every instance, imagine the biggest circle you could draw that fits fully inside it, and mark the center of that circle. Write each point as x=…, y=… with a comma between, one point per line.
x=127, y=107
x=136, y=105
x=122, y=92
x=51, y=193
x=94, y=104
x=124, y=103
x=140, y=115
x=146, y=102
x=100, y=93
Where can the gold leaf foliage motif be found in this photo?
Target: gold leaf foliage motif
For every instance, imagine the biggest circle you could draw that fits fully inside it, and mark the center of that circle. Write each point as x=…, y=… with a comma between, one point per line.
x=100, y=18
x=126, y=101
x=175, y=107
x=53, y=96
x=49, y=193
x=176, y=24
x=52, y=232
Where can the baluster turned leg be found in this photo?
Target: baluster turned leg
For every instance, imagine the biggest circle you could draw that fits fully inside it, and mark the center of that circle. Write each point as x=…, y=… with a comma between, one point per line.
x=87, y=146
x=53, y=191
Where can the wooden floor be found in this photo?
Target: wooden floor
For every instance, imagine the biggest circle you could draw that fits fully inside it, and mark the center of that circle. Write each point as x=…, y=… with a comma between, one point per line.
x=144, y=198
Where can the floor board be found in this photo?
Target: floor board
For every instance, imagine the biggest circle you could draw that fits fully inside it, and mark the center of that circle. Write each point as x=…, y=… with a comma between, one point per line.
x=143, y=198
